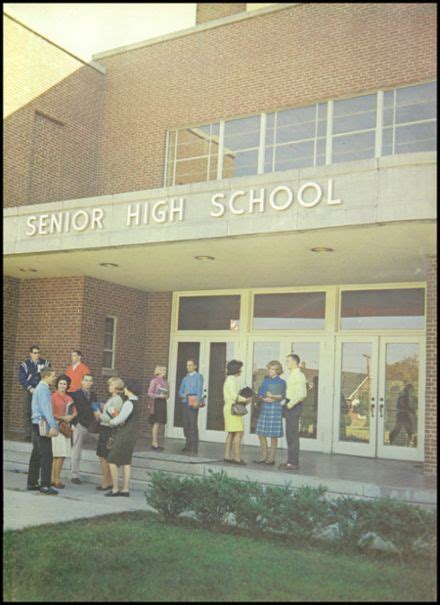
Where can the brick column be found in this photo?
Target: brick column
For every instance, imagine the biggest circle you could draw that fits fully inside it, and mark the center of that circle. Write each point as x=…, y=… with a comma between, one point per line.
x=430, y=463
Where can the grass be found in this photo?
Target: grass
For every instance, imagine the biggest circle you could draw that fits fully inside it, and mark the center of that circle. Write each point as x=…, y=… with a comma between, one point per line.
x=135, y=557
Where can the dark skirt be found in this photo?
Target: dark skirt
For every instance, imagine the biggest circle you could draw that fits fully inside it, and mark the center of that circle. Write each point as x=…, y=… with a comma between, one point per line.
x=123, y=445
x=105, y=432
x=160, y=412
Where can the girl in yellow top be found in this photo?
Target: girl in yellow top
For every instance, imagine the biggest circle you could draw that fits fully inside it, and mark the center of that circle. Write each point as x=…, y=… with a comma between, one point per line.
x=234, y=425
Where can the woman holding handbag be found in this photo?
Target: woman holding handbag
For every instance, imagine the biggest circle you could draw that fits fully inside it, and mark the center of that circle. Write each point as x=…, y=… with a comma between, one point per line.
x=64, y=412
x=234, y=424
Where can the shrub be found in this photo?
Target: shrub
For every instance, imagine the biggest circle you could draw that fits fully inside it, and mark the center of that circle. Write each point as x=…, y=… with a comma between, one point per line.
x=347, y=513
x=249, y=506
x=169, y=495
x=211, y=498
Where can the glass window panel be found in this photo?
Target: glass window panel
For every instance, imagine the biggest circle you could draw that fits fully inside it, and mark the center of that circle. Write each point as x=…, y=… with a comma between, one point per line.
x=242, y=133
x=419, y=94
x=416, y=113
x=322, y=111
x=322, y=128
x=263, y=353
x=220, y=353
x=357, y=105
x=296, y=155
x=353, y=147
x=401, y=388
x=191, y=171
x=296, y=132
x=388, y=117
x=107, y=359
x=242, y=163
x=416, y=137
x=299, y=311
x=292, y=117
x=185, y=351
x=354, y=122
x=108, y=341
x=308, y=353
x=109, y=324
x=355, y=396
x=209, y=313
x=320, y=152
x=388, y=309
x=387, y=141
x=268, y=159
x=388, y=99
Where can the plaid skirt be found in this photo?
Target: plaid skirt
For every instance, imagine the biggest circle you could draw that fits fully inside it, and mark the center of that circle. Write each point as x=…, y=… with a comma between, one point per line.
x=270, y=422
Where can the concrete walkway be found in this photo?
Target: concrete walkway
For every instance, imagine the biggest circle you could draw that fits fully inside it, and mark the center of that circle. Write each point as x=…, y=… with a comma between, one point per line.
x=25, y=509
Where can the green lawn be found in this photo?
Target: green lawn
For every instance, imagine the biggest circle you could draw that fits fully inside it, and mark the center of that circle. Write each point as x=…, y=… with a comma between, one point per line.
x=134, y=557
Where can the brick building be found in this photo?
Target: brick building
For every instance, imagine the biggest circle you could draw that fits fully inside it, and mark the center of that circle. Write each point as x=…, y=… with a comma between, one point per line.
x=260, y=183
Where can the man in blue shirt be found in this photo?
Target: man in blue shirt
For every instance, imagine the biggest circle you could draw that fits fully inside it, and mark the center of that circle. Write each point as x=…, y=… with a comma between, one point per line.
x=41, y=457
x=191, y=394
x=29, y=377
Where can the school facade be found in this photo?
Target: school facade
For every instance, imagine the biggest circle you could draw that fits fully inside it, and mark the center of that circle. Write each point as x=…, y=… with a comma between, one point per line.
x=261, y=183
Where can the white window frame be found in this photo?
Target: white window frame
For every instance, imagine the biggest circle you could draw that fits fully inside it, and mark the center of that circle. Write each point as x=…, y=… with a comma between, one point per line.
x=113, y=349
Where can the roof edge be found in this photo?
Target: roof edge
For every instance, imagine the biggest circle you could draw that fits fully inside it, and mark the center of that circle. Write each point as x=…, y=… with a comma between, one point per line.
x=196, y=29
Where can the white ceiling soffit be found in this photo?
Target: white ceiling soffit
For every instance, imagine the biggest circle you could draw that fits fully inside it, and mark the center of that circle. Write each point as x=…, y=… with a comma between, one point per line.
x=366, y=254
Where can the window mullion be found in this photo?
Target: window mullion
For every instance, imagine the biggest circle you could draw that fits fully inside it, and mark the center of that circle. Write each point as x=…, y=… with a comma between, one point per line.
x=221, y=143
x=261, y=149
x=329, y=133
x=379, y=124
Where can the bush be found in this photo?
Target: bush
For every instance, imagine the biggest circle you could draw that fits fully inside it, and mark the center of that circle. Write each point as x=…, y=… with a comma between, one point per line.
x=169, y=495
x=300, y=515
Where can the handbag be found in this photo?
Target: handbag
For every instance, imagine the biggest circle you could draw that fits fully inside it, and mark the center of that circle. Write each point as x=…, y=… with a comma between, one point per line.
x=109, y=443
x=65, y=429
x=238, y=409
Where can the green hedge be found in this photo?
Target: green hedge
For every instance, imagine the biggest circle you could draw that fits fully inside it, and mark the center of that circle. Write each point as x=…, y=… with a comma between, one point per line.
x=301, y=515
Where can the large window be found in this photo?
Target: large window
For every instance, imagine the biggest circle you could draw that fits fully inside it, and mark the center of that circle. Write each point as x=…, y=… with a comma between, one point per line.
x=108, y=358
x=289, y=311
x=383, y=309
x=402, y=120
x=209, y=313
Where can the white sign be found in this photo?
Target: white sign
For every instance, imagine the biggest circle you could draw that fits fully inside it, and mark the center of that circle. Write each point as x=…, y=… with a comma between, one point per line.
x=239, y=202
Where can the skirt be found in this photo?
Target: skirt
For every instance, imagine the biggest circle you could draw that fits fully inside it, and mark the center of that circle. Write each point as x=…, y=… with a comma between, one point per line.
x=270, y=422
x=105, y=432
x=233, y=424
x=160, y=412
x=61, y=447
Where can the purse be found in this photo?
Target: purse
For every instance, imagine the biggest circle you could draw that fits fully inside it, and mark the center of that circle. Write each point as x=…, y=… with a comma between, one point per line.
x=238, y=409
x=65, y=429
x=109, y=443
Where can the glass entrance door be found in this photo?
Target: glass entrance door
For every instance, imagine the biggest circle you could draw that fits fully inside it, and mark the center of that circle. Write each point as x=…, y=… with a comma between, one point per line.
x=211, y=355
x=377, y=398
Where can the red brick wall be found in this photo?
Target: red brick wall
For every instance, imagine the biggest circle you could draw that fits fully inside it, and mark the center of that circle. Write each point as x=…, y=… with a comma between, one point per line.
x=295, y=56
x=60, y=314
x=208, y=12
x=11, y=293
x=51, y=140
x=49, y=315
x=430, y=465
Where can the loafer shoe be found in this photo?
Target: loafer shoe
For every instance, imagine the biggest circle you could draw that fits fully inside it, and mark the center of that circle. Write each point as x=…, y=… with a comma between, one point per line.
x=112, y=494
x=125, y=494
x=104, y=489
x=288, y=467
x=76, y=481
x=48, y=491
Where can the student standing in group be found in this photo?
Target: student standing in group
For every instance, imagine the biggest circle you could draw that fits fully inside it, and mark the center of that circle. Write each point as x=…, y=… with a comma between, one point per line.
x=191, y=394
x=270, y=424
x=41, y=456
x=125, y=433
x=296, y=392
x=158, y=392
x=112, y=408
x=63, y=409
x=76, y=371
x=29, y=376
x=83, y=398
x=234, y=425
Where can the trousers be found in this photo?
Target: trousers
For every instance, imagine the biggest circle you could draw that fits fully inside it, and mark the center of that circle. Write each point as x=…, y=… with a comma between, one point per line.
x=292, y=433
x=41, y=459
x=190, y=428
x=77, y=442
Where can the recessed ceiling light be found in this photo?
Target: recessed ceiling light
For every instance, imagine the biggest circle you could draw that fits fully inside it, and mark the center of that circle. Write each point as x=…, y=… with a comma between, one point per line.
x=204, y=258
x=321, y=249
x=28, y=270
x=109, y=265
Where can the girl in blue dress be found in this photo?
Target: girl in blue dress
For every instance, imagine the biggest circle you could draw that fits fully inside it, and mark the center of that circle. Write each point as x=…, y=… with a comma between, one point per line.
x=272, y=392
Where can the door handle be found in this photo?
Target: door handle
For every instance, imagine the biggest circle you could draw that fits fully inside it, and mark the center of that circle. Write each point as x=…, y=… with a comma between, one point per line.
x=372, y=410
x=381, y=410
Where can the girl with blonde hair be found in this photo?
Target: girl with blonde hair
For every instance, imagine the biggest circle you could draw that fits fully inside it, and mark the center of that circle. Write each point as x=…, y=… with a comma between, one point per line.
x=158, y=392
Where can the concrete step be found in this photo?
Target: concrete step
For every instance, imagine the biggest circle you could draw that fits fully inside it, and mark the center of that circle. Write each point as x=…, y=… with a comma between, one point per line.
x=144, y=463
